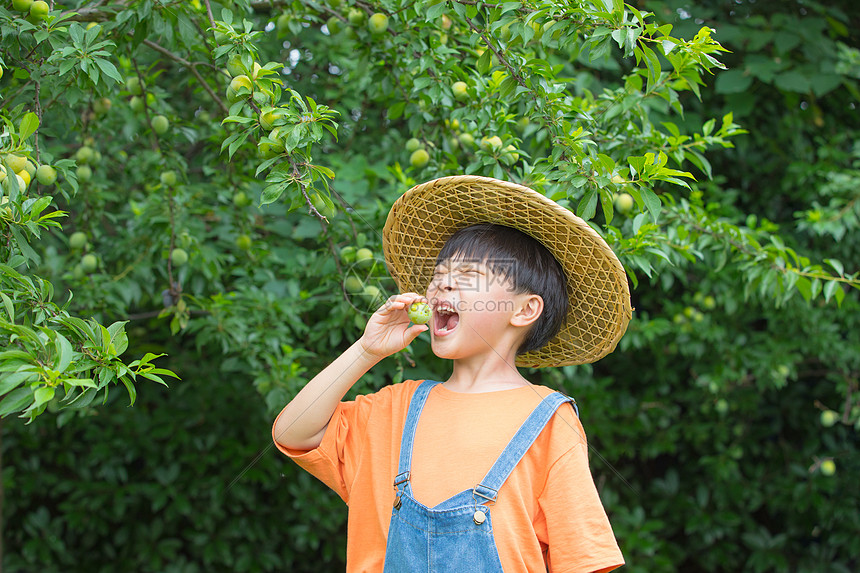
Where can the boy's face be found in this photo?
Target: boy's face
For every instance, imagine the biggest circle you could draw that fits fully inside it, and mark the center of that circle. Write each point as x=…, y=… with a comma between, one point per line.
x=472, y=310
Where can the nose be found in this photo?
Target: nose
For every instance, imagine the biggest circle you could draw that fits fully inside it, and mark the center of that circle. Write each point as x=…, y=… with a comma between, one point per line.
x=441, y=283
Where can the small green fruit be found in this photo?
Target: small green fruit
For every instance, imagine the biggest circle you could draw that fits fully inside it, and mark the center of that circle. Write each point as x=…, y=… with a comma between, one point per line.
x=241, y=81
x=168, y=178
x=828, y=467
x=347, y=255
x=623, y=203
x=22, y=5
x=372, y=293
x=460, y=90
x=241, y=199
x=510, y=155
x=39, y=10
x=46, y=175
x=244, y=242
x=160, y=124
x=413, y=144
x=84, y=154
x=89, y=263
x=268, y=117
x=467, y=140
x=356, y=16
x=353, y=284
x=829, y=418
x=136, y=104
x=419, y=312
x=78, y=240
x=419, y=158
x=132, y=84
x=334, y=25
x=84, y=173
x=364, y=257
x=16, y=162
x=492, y=144
x=378, y=23
x=235, y=66
x=178, y=256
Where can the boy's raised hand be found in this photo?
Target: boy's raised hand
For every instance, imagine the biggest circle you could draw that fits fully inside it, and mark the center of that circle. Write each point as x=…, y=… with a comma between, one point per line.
x=388, y=329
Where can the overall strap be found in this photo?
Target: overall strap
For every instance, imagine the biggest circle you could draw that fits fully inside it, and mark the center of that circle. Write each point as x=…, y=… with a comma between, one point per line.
x=416, y=405
x=519, y=445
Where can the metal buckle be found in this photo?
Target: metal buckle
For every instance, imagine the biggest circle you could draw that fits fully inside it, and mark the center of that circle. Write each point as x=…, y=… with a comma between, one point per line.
x=401, y=478
x=476, y=494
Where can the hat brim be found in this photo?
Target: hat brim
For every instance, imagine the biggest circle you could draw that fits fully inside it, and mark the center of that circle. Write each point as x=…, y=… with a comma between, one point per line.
x=426, y=216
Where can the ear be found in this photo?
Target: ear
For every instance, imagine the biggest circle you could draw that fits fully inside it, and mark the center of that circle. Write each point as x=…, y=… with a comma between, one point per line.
x=529, y=309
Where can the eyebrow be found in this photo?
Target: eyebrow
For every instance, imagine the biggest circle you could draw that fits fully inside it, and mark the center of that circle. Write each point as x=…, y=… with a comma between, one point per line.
x=458, y=266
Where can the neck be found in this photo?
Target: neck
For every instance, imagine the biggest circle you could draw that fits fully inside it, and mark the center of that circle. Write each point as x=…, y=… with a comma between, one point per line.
x=488, y=374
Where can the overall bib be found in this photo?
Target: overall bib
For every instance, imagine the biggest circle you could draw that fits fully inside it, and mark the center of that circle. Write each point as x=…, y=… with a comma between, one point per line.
x=457, y=534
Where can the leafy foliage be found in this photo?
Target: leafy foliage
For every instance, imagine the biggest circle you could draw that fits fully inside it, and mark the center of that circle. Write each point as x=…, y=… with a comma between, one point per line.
x=239, y=232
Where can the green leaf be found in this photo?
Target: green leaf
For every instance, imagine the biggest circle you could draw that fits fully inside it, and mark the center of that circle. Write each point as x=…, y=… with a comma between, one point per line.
x=587, y=205
x=42, y=395
x=10, y=309
x=836, y=265
x=108, y=69
x=64, y=352
x=132, y=392
x=732, y=82
x=15, y=401
x=29, y=125
x=804, y=287
x=485, y=62
x=652, y=202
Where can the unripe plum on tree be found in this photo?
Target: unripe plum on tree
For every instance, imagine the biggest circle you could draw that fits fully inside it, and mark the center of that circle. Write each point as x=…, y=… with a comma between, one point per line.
x=419, y=158
x=39, y=10
x=22, y=5
x=364, y=257
x=160, y=124
x=378, y=23
x=623, y=203
x=459, y=89
x=829, y=418
x=89, y=263
x=168, y=178
x=356, y=16
x=178, y=256
x=78, y=240
x=46, y=175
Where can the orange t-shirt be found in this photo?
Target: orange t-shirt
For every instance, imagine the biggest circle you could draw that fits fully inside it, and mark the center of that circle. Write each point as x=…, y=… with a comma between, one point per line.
x=548, y=515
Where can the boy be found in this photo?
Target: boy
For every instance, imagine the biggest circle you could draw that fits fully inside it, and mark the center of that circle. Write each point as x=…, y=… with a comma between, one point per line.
x=485, y=471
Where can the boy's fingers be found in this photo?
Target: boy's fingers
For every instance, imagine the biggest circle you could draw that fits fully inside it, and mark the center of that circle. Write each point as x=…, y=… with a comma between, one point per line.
x=413, y=331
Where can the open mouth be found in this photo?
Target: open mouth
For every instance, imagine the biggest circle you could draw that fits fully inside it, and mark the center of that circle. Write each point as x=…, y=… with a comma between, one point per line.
x=445, y=319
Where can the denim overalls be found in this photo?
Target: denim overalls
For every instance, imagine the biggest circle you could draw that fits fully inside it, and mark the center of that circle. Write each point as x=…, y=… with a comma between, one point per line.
x=457, y=534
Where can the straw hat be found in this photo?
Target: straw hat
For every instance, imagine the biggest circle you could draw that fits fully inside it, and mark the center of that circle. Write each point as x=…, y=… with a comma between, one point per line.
x=425, y=217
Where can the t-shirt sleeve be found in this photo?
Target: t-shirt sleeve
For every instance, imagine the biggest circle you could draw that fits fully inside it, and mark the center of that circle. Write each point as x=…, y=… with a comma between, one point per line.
x=577, y=531
x=335, y=460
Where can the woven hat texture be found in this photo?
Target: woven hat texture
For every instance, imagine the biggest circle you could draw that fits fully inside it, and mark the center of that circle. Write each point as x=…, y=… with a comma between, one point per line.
x=425, y=217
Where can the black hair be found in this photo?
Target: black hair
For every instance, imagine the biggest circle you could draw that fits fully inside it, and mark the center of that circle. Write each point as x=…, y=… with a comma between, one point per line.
x=525, y=263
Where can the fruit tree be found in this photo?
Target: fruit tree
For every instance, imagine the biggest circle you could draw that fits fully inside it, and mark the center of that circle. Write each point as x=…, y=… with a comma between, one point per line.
x=196, y=190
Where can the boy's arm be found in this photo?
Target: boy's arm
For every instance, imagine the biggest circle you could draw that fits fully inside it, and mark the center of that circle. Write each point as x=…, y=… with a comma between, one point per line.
x=303, y=421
